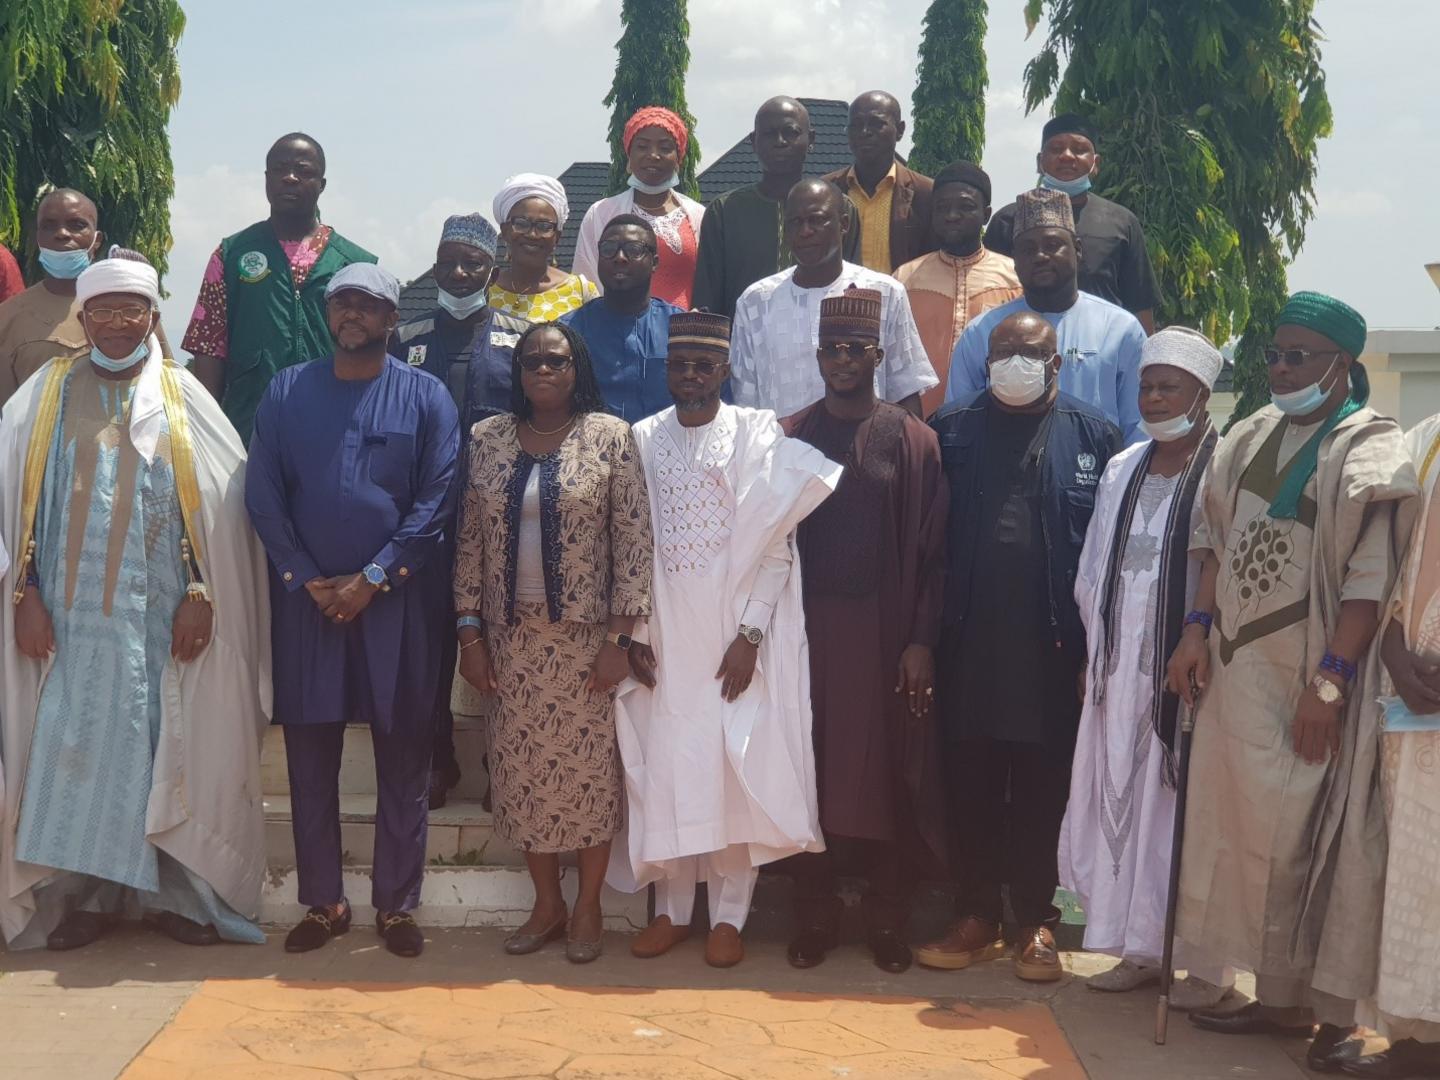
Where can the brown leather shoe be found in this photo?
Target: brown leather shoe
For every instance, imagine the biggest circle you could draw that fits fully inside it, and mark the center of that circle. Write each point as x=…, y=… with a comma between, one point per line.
x=969, y=941
x=724, y=948
x=1036, y=958
x=658, y=938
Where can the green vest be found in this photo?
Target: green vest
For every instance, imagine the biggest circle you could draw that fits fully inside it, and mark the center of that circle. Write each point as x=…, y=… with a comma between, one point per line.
x=271, y=324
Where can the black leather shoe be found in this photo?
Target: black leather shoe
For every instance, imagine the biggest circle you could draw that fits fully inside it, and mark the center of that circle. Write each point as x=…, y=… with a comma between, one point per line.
x=316, y=929
x=890, y=951
x=402, y=936
x=1406, y=1058
x=807, y=949
x=76, y=930
x=1251, y=1020
x=1331, y=1048
x=442, y=779
x=183, y=930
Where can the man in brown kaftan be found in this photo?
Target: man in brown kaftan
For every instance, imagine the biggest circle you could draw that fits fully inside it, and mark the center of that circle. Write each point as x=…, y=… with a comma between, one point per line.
x=873, y=563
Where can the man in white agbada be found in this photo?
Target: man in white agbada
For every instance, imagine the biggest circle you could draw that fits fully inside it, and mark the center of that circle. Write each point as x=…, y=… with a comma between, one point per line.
x=135, y=652
x=1406, y=1006
x=1135, y=584
x=719, y=765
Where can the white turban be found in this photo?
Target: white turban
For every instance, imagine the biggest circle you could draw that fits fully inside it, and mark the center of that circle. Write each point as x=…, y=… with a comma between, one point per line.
x=1186, y=349
x=531, y=185
x=119, y=275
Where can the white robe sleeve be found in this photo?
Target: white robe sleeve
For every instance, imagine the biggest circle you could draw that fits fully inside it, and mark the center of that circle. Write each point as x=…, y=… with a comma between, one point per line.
x=769, y=584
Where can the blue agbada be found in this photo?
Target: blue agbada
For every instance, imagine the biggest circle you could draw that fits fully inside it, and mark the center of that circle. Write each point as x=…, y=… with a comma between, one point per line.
x=628, y=353
x=341, y=474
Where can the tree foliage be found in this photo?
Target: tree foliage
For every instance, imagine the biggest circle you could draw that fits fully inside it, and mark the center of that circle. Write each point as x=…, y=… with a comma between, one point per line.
x=652, y=57
x=87, y=87
x=1208, y=112
x=949, y=103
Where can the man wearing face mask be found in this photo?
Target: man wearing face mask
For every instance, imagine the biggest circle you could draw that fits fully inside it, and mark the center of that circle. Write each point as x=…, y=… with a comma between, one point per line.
x=466, y=345
x=1100, y=342
x=134, y=676
x=1114, y=262
x=1285, y=831
x=1022, y=460
x=44, y=321
x=1135, y=584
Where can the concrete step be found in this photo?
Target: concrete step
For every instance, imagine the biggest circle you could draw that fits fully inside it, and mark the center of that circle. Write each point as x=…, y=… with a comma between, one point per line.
x=461, y=833
x=357, y=761
x=454, y=896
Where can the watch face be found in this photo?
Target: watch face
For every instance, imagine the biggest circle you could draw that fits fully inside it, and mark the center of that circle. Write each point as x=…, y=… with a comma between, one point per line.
x=374, y=575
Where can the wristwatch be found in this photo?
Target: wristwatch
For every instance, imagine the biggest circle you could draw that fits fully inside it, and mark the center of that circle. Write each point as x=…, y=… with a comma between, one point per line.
x=1327, y=691
x=753, y=634
x=375, y=575
x=620, y=641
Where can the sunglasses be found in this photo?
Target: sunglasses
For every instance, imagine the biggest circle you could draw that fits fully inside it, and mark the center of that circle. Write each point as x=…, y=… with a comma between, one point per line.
x=1295, y=357
x=698, y=367
x=554, y=363
x=846, y=350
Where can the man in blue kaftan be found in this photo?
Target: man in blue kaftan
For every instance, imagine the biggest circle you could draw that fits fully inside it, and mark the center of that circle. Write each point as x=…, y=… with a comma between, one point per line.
x=349, y=487
x=134, y=684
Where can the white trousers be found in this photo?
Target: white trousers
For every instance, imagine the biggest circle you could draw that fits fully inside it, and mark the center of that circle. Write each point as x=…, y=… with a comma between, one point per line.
x=730, y=887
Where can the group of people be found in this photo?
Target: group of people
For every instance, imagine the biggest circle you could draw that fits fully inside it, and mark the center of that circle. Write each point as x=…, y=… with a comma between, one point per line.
x=836, y=528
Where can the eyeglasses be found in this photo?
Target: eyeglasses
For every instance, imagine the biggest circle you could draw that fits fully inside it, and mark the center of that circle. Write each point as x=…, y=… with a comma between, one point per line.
x=697, y=367
x=533, y=226
x=845, y=350
x=469, y=266
x=130, y=313
x=533, y=364
x=1296, y=357
x=633, y=249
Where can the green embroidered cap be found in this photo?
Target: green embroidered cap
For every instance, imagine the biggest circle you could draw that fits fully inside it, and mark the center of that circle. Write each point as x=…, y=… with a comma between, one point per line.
x=1336, y=319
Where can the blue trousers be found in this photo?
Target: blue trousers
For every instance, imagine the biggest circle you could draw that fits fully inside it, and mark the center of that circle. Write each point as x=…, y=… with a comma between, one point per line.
x=402, y=776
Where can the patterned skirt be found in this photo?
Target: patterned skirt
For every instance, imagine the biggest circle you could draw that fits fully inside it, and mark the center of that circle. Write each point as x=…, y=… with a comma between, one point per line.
x=554, y=765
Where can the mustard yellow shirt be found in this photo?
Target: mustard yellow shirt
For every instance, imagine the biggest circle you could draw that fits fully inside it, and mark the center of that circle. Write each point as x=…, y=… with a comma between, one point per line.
x=874, y=220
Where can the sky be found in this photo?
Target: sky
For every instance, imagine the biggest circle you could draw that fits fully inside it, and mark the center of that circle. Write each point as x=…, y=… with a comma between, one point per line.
x=424, y=107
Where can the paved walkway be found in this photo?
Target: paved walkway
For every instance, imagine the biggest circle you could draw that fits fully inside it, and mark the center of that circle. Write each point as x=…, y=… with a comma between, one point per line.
x=139, y=1006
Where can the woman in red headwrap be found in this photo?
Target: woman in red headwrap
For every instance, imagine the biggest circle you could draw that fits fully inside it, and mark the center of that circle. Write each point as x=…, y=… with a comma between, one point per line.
x=655, y=140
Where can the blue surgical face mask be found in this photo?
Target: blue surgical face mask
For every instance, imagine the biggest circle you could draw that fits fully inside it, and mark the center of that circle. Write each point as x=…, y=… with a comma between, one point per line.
x=654, y=189
x=1073, y=188
x=99, y=359
x=461, y=307
x=1307, y=399
x=65, y=265
x=1177, y=427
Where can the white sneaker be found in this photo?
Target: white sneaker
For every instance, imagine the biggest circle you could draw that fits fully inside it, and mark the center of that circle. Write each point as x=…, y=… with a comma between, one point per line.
x=1123, y=977
x=1195, y=993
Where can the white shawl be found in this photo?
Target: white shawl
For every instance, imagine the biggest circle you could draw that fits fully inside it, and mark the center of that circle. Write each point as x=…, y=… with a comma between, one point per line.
x=205, y=805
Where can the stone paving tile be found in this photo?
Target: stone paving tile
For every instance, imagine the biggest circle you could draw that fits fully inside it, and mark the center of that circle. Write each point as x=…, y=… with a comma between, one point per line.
x=268, y=1029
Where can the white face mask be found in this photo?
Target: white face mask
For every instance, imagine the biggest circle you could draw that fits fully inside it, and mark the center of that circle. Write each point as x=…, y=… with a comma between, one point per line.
x=1177, y=427
x=1307, y=399
x=653, y=189
x=1019, y=380
x=461, y=307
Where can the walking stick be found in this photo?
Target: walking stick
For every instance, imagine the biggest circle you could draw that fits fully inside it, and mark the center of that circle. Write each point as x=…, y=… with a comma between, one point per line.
x=1182, y=786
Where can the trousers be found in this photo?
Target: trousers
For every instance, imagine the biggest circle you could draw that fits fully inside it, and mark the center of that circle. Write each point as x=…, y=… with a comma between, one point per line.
x=730, y=884
x=402, y=803
x=1007, y=801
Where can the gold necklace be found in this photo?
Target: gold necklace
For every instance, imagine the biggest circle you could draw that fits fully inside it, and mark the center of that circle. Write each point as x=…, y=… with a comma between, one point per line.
x=536, y=431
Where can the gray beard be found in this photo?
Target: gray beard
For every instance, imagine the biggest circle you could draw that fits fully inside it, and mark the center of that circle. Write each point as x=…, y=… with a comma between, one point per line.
x=699, y=404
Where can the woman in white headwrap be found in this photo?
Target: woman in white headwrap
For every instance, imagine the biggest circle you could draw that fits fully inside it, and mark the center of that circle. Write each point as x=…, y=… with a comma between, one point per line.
x=134, y=660
x=532, y=211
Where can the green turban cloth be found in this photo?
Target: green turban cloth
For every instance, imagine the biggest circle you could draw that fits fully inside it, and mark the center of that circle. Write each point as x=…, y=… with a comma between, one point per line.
x=1336, y=319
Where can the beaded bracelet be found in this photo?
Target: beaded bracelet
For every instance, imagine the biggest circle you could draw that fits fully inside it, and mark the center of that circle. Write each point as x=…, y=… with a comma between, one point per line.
x=1201, y=618
x=1338, y=665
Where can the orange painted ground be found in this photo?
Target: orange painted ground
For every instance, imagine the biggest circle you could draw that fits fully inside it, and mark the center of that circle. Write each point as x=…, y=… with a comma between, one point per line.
x=273, y=1030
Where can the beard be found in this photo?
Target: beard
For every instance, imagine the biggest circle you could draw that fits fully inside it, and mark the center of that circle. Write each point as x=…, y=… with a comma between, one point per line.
x=699, y=404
